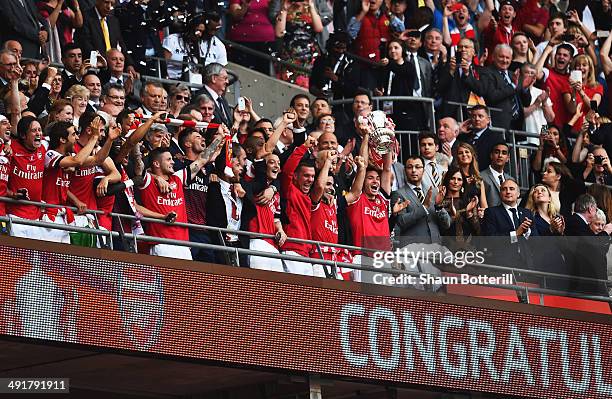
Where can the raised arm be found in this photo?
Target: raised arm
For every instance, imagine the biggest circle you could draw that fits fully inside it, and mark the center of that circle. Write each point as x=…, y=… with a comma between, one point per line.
x=137, y=135
x=79, y=159
x=102, y=155
x=319, y=188
x=289, y=116
x=357, y=187
x=387, y=174
x=604, y=55
x=542, y=60
x=210, y=153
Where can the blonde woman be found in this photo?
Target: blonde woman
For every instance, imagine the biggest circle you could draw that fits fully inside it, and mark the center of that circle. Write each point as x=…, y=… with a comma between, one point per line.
x=547, y=222
x=472, y=182
x=79, y=98
x=584, y=91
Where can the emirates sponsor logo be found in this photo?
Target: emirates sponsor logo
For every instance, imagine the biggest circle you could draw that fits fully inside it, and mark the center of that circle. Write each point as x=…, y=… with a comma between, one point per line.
x=375, y=212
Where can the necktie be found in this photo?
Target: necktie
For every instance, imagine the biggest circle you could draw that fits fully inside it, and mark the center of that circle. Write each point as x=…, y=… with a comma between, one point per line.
x=107, y=43
x=501, y=179
x=434, y=174
x=419, y=194
x=222, y=108
x=515, y=218
x=414, y=60
x=515, y=103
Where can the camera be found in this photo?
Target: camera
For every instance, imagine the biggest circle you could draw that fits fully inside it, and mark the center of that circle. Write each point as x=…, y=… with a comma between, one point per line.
x=599, y=159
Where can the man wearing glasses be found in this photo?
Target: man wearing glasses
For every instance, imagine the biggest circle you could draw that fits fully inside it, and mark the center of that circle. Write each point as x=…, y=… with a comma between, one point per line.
x=113, y=97
x=8, y=63
x=216, y=80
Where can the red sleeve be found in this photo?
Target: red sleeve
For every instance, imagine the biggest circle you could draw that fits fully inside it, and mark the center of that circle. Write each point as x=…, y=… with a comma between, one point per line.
x=289, y=167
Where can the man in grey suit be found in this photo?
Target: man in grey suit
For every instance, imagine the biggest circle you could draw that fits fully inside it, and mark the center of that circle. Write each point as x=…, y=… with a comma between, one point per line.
x=493, y=176
x=423, y=218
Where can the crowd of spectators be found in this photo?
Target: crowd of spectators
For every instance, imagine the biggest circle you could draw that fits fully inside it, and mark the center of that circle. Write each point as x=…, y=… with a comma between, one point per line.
x=95, y=133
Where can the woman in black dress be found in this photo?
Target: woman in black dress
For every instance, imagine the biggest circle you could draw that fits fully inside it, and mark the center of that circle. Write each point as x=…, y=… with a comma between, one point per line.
x=462, y=208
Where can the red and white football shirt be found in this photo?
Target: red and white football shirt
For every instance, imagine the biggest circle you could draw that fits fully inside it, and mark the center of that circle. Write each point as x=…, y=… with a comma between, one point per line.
x=81, y=183
x=56, y=181
x=299, y=206
x=153, y=200
x=263, y=221
x=369, y=220
x=4, y=176
x=26, y=171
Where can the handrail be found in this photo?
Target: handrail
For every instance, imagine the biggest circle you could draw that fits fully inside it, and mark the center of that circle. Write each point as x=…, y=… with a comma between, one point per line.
x=323, y=262
x=187, y=225
x=278, y=60
x=251, y=234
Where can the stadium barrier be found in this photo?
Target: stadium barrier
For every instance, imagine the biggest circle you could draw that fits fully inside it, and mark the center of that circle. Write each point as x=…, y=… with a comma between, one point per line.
x=526, y=290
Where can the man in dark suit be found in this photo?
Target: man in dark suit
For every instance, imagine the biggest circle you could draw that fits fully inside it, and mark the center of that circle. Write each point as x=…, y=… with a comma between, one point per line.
x=586, y=251
x=72, y=58
x=216, y=80
x=498, y=89
x=510, y=221
x=451, y=86
x=494, y=176
x=448, y=131
x=423, y=219
x=22, y=22
x=418, y=112
x=101, y=32
x=480, y=136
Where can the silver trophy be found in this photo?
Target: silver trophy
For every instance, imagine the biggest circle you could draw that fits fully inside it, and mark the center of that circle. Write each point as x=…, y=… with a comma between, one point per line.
x=383, y=131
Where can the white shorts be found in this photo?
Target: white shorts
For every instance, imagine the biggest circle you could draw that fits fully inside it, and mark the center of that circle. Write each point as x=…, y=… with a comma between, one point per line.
x=55, y=235
x=303, y=268
x=25, y=231
x=261, y=262
x=171, y=251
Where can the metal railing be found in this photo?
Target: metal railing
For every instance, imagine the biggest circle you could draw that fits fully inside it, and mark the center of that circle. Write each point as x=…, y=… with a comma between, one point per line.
x=333, y=264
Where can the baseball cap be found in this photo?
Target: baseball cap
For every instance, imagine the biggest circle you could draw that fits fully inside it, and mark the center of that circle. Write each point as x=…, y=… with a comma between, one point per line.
x=506, y=3
x=3, y=118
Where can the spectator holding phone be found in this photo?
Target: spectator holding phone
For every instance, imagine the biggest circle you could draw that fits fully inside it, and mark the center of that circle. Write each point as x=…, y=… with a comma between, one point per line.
x=586, y=90
x=597, y=167
x=553, y=147
x=539, y=112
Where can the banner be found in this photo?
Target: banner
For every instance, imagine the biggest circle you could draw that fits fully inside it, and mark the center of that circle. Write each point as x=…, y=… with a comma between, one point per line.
x=262, y=319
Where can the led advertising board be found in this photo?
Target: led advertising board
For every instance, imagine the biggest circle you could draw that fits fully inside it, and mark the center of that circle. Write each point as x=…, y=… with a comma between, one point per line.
x=260, y=319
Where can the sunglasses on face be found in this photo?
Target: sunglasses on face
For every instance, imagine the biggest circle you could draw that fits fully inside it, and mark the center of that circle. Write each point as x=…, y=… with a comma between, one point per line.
x=182, y=98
